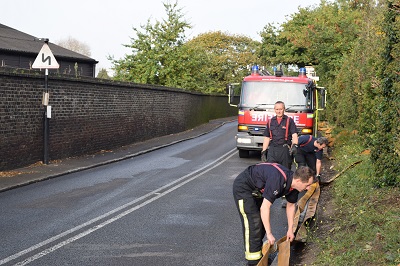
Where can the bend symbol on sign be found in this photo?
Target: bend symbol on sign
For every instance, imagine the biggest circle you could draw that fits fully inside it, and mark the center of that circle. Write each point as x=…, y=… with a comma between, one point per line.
x=45, y=59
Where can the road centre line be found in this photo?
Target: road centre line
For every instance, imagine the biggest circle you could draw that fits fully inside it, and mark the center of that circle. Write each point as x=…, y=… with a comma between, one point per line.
x=156, y=192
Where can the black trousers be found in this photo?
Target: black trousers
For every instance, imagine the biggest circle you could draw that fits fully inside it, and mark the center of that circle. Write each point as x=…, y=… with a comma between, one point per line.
x=281, y=155
x=249, y=210
x=306, y=159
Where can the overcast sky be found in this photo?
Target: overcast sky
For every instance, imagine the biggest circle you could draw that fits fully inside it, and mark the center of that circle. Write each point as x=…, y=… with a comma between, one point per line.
x=106, y=25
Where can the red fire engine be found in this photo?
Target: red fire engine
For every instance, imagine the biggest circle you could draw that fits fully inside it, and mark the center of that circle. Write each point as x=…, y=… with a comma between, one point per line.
x=258, y=94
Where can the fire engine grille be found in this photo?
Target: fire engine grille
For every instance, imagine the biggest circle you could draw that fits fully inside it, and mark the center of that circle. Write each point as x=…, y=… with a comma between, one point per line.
x=256, y=130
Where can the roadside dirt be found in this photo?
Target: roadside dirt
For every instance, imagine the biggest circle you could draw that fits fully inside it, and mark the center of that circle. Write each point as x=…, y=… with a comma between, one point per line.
x=306, y=252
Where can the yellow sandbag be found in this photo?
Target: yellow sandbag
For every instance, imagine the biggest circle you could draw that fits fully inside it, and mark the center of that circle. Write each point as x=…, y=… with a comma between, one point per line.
x=284, y=253
x=268, y=249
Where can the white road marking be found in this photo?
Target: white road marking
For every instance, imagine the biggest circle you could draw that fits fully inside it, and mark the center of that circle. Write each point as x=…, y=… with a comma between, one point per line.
x=157, y=192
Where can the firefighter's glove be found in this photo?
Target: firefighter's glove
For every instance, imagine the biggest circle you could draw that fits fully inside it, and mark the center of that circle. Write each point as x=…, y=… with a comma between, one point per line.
x=256, y=194
x=264, y=154
x=293, y=150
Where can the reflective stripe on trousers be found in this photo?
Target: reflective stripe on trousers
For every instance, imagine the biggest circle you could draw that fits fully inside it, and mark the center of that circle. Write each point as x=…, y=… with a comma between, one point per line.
x=249, y=255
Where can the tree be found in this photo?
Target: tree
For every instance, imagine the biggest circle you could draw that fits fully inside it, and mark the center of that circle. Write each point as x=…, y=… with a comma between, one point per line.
x=73, y=44
x=228, y=54
x=322, y=36
x=354, y=46
x=385, y=152
x=162, y=55
x=352, y=96
x=157, y=55
x=270, y=45
x=103, y=74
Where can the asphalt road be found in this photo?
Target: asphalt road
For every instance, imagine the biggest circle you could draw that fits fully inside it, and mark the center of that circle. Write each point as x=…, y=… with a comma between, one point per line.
x=172, y=206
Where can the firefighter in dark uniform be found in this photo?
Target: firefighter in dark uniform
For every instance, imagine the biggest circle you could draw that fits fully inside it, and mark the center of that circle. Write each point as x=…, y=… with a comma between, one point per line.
x=280, y=138
x=255, y=190
x=309, y=152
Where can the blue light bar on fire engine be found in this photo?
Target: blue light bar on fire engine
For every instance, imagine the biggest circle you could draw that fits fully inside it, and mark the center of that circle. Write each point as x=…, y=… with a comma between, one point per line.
x=254, y=69
x=302, y=72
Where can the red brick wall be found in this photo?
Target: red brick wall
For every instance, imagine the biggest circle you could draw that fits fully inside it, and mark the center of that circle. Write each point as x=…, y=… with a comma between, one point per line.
x=89, y=115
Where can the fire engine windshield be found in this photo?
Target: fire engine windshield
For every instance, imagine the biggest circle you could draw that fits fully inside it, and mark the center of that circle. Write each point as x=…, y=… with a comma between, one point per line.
x=265, y=94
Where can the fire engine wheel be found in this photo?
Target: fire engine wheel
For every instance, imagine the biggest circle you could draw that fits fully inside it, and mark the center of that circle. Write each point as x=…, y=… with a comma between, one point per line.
x=243, y=154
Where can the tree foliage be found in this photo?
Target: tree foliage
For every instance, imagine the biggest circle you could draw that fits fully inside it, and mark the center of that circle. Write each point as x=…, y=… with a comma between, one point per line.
x=364, y=95
x=385, y=152
x=352, y=44
x=228, y=57
x=159, y=55
x=103, y=74
x=271, y=45
x=354, y=47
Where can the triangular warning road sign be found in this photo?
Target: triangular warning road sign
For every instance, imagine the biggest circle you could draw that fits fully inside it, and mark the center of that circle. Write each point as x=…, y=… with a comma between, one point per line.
x=45, y=59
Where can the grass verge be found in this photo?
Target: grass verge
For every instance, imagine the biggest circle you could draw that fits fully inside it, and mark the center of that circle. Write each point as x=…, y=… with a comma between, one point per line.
x=365, y=221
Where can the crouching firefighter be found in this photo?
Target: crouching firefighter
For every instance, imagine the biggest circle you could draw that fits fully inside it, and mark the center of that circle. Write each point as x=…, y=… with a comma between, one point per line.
x=310, y=151
x=255, y=190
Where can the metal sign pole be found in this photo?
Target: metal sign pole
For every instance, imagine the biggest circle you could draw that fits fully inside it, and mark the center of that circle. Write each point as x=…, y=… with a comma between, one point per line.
x=45, y=60
x=46, y=122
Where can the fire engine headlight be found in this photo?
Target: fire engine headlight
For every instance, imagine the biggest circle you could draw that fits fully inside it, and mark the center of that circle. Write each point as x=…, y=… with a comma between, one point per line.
x=306, y=131
x=244, y=140
x=243, y=128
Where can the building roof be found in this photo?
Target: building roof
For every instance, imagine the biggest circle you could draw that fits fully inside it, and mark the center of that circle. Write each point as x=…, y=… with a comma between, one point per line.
x=13, y=40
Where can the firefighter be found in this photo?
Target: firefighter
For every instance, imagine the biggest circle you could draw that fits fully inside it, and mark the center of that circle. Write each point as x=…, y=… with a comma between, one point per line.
x=280, y=138
x=309, y=152
x=255, y=190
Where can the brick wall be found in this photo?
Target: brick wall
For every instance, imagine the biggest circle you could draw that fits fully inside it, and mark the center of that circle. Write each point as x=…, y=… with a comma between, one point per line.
x=89, y=115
